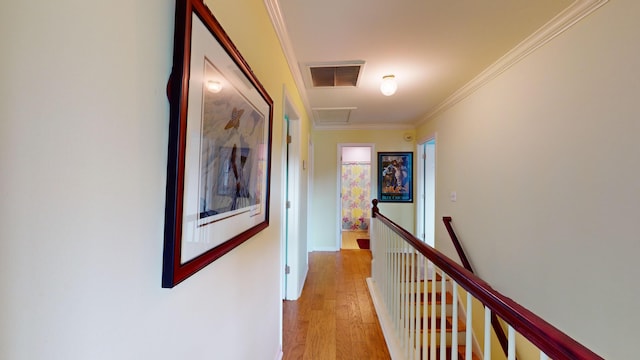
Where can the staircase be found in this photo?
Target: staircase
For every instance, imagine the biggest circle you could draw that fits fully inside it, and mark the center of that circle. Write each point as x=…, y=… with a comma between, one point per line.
x=424, y=319
x=438, y=308
x=460, y=332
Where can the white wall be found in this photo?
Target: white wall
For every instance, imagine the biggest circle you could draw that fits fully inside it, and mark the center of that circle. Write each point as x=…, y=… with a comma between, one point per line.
x=83, y=136
x=356, y=154
x=545, y=161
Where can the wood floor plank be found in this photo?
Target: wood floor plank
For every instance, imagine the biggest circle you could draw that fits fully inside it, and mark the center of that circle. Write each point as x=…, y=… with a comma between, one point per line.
x=321, y=339
x=334, y=318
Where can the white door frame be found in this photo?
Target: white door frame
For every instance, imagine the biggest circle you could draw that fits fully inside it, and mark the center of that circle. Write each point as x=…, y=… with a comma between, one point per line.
x=374, y=166
x=294, y=245
x=425, y=211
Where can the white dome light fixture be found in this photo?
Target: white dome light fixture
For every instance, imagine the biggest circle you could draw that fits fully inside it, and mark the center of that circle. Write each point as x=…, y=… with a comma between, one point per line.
x=389, y=85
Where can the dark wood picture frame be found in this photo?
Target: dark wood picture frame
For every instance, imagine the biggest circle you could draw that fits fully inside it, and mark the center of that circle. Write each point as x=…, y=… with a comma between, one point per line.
x=219, y=152
x=395, y=177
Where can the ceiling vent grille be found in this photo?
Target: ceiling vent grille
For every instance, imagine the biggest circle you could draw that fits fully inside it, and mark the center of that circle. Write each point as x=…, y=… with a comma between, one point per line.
x=327, y=75
x=332, y=115
x=335, y=76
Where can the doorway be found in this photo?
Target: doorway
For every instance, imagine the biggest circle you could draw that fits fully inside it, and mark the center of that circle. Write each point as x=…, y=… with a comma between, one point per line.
x=427, y=191
x=295, y=259
x=355, y=194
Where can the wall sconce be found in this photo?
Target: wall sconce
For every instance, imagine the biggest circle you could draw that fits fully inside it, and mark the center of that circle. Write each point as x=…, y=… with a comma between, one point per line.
x=214, y=86
x=389, y=85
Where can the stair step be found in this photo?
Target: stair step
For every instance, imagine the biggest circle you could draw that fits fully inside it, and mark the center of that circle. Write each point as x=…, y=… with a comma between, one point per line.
x=449, y=324
x=420, y=295
x=411, y=277
x=462, y=326
x=416, y=293
x=461, y=353
x=448, y=298
x=449, y=336
x=438, y=305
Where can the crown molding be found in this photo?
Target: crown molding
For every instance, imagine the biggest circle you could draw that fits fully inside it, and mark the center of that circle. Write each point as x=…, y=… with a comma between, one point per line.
x=578, y=10
x=273, y=8
x=556, y=26
x=347, y=127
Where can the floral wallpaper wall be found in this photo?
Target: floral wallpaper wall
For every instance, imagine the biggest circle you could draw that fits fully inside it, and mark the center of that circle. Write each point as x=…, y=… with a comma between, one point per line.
x=356, y=201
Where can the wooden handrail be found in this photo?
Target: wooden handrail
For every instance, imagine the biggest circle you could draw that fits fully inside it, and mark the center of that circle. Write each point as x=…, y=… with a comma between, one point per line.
x=495, y=323
x=553, y=342
x=456, y=243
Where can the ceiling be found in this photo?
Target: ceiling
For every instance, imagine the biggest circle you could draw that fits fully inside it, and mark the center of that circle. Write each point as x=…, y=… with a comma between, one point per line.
x=435, y=49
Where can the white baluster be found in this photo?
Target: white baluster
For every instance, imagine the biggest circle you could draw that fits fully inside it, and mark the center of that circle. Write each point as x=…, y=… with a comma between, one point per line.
x=454, y=325
x=412, y=302
x=432, y=345
x=398, y=297
x=396, y=286
x=487, y=333
x=390, y=283
x=418, y=318
x=387, y=263
x=511, y=354
x=469, y=329
x=405, y=298
x=443, y=317
x=425, y=312
x=390, y=276
x=400, y=294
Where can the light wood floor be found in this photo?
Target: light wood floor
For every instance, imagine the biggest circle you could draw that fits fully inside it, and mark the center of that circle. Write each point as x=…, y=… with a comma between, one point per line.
x=334, y=318
x=349, y=239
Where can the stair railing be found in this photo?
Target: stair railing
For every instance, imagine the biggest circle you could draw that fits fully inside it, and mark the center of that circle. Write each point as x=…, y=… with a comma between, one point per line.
x=495, y=323
x=411, y=284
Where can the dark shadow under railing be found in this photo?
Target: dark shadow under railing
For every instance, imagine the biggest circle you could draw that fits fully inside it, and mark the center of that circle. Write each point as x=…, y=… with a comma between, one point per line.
x=553, y=342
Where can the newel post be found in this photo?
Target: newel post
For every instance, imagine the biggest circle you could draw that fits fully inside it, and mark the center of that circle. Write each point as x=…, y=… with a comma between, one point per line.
x=375, y=209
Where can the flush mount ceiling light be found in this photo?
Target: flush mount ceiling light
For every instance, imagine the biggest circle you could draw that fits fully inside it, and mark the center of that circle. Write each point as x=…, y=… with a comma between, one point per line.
x=389, y=85
x=214, y=86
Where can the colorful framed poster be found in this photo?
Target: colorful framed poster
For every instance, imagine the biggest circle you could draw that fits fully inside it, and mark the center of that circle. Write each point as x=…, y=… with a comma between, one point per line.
x=395, y=177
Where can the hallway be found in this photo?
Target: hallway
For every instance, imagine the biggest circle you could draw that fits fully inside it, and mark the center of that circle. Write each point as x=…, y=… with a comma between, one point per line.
x=334, y=318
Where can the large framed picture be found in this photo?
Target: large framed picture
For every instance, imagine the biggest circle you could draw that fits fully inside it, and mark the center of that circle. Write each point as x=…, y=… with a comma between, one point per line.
x=395, y=177
x=219, y=147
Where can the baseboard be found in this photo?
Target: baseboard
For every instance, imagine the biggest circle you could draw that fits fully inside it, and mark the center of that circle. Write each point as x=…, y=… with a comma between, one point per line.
x=279, y=355
x=395, y=350
x=326, y=248
x=302, y=281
